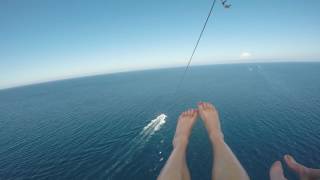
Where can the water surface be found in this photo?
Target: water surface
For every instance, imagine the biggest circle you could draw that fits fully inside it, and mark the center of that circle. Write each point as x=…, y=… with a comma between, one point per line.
x=101, y=127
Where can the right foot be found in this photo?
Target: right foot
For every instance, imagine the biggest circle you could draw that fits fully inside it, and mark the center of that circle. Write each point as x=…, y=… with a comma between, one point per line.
x=210, y=116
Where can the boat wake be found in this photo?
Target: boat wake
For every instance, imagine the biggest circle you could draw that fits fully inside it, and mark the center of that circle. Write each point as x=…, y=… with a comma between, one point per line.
x=154, y=125
x=125, y=156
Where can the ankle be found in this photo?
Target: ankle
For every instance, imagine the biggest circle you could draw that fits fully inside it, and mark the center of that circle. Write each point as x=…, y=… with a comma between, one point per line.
x=180, y=147
x=217, y=137
x=180, y=142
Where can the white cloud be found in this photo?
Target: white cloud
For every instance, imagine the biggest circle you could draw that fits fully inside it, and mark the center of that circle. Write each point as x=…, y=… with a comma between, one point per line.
x=245, y=55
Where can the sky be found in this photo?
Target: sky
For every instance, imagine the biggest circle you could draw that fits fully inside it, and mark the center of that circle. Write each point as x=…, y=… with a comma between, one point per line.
x=44, y=40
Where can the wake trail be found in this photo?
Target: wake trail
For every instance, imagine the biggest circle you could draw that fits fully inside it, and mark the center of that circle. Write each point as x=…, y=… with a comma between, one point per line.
x=126, y=154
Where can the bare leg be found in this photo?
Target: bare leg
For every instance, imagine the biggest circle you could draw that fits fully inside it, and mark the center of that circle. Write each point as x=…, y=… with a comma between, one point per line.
x=226, y=165
x=176, y=166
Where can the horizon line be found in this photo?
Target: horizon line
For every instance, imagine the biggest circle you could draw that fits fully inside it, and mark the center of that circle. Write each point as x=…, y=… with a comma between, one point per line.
x=84, y=75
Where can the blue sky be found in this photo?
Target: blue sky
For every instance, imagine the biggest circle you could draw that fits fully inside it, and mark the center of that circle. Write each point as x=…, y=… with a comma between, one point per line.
x=42, y=40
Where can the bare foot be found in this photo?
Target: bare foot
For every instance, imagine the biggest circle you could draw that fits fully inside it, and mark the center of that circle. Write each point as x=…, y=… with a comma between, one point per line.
x=304, y=172
x=276, y=171
x=184, y=126
x=210, y=116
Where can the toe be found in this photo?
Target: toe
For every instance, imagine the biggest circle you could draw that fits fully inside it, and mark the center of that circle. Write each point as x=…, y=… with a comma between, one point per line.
x=292, y=164
x=276, y=171
x=183, y=114
x=199, y=105
x=189, y=112
x=194, y=112
x=206, y=105
x=202, y=105
x=211, y=105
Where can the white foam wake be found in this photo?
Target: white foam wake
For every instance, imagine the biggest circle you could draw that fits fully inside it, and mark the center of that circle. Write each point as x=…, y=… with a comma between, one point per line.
x=126, y=154
x=155, y=124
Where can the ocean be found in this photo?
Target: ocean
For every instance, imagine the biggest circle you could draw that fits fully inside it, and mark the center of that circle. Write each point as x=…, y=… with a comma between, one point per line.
x=120, y=126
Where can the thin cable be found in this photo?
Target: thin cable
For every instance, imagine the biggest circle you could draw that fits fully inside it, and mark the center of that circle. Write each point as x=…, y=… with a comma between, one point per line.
x=195, y=47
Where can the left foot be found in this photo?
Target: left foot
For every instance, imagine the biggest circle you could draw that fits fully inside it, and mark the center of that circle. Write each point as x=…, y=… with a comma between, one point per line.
x=184, y=126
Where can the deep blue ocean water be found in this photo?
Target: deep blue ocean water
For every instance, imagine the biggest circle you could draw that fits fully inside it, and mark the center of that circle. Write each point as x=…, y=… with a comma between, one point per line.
x=97, y=127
